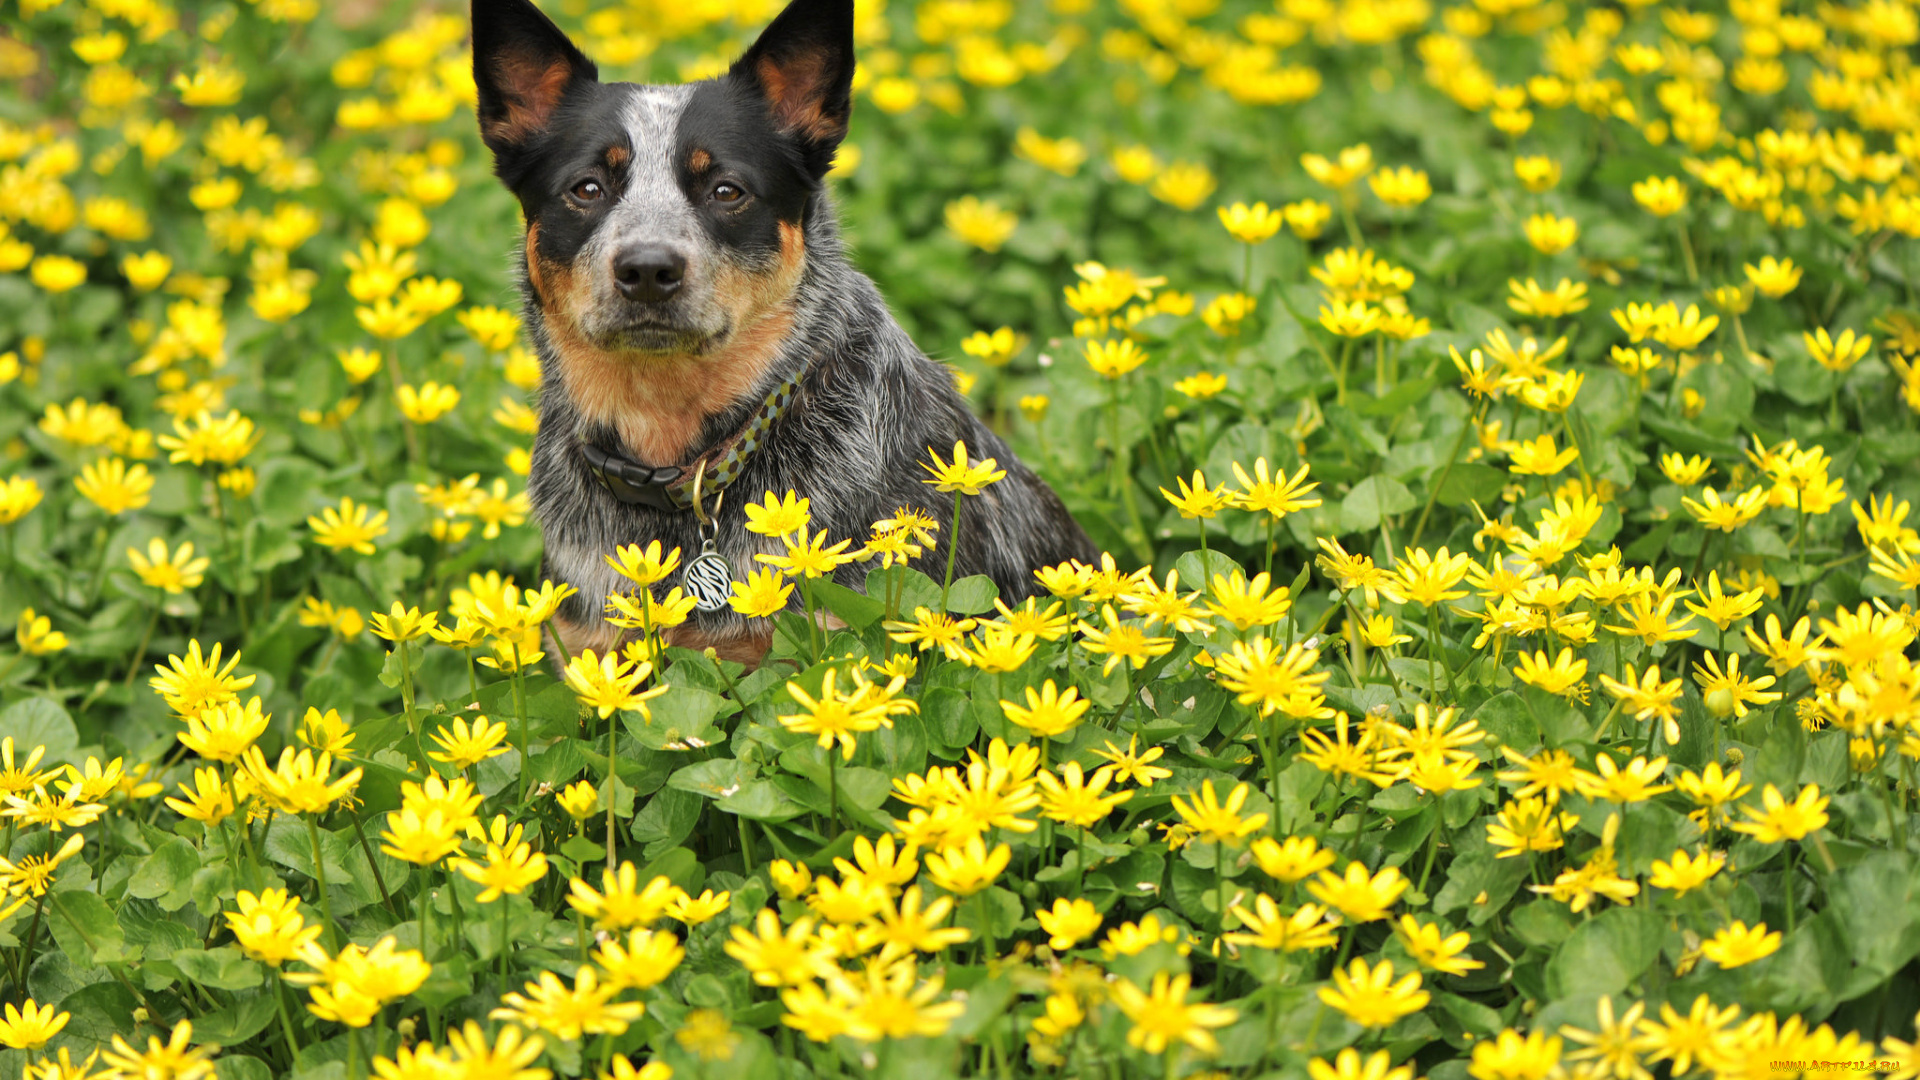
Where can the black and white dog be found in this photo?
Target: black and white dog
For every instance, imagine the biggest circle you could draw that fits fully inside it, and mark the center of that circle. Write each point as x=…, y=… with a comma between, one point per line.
x=700, y=329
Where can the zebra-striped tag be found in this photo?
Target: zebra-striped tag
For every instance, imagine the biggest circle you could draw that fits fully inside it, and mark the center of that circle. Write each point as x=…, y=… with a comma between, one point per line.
x=708, y=579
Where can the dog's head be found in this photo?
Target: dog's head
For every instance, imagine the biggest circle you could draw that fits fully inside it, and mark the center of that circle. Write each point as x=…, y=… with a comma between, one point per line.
x=662, y=220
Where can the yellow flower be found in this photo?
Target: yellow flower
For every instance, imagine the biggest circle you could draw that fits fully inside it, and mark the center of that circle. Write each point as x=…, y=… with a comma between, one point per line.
x=1780, y=820
x=837, y=716
x=209, y=440
x=1682, y=332
x=348, y=527
x=1113, y=358
x=35, y=635
x=1565, y=298
x=1118, y=641
x=1134, y=164
x=1183, y=185
x=57, y=273
x=1837, y=353
x=1069, y=922
x=464, y=745
x=29, y=1025
x=961, y=474
x=1729, y=692
x=1660, y=196
x=1560, y=677
x=994, y=349
x=1370, y=997
x=1307, y=218
x=1250, y=224
x=1511, y=1056
x=1403, y=187
x=1048, y=712
x=1200, y=387
x=1685, y=872
x=1539, y=457
x=761, y=595
x=984, y=225
x=426, y=403
x=173, y=573
x=269, y=926
x=579, y=800
x=1715, y=513
x=1434, y=948
x=608, y=684
x=1738, y=944
x=1217, y=822
x=1063, y=156
x=114, y=487
x=18, y=496
x=211, y=85
x=1352, y=163
x=1162, y=1015
x=968, y=868
x=1773, y=278
x=1551, y=235
x=1350, y=320
x=1537, y=173
x=147, y=270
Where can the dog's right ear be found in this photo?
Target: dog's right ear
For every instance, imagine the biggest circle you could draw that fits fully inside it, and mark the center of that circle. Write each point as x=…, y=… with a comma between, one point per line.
x=523, y=67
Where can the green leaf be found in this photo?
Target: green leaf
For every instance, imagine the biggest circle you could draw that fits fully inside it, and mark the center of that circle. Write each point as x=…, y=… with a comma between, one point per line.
x=221, y=969
x=972, y=595
x=714, y=779
x=857, y=610
x=1470, y=482
x=948, y=718
x=235, y=1066
x=1606, y=953
x=1372, y=499
x=679, y=716
x=1507, y=719
x=166, y=876
x=37, y=722
x=86, y=929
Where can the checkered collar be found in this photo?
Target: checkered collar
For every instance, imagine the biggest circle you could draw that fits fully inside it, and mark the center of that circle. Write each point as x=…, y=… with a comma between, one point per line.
x=674, y=487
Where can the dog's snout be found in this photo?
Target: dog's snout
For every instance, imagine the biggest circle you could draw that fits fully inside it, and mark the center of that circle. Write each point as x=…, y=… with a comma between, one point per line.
x=649, y=273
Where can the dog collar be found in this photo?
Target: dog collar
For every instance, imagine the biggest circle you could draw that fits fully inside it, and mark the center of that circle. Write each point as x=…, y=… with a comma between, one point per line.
x=674, y=487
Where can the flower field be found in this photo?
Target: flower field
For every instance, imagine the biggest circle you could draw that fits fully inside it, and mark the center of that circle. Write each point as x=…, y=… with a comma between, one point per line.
x=1500, y=416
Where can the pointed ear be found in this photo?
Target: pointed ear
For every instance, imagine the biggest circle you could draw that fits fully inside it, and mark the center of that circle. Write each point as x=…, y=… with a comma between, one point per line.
x=523, y=66
x=803, y=66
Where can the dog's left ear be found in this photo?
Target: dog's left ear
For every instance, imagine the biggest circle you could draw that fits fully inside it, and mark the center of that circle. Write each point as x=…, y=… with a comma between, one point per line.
x=803, y=66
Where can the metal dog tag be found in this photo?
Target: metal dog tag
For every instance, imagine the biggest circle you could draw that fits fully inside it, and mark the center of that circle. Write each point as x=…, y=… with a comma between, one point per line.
x=708, y=579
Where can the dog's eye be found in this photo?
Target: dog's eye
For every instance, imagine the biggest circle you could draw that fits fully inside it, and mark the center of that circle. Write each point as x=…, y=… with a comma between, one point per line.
x=588, y=191
x=728, y=193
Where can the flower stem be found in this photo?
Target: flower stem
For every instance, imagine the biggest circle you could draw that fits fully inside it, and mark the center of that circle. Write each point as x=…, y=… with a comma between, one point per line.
x=520, y=711
x=286, y=1024
x=833, y=788
x=953, y=548
x=140, y=651
x=503, y=943
x=320, y=879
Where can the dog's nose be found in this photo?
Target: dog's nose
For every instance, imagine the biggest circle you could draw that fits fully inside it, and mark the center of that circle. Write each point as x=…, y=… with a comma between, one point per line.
x=649, y=273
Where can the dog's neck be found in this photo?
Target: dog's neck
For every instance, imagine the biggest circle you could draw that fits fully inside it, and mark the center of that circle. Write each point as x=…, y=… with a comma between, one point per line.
x=658, y=406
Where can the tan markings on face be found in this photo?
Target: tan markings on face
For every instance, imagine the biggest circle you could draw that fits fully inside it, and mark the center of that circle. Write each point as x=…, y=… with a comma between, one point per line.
x=601, y=637
x=700, y=161
x=658, y=404
x=797, y=89
x=617, y=156
x=534, y=277
x=745, y=646
x=531, y=91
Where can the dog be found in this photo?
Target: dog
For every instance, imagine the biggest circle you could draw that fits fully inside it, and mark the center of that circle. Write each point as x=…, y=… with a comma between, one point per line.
x=704, y=339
